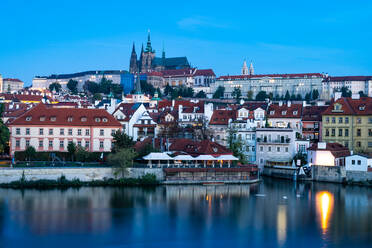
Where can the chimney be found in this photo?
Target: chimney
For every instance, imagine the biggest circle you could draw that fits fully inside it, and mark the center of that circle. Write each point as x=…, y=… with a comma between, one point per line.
x=280, y=103
x=322, y=145
x=173, y=102
x=289, y=104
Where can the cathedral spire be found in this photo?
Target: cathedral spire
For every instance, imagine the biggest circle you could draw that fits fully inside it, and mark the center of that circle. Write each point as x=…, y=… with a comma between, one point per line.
x=133, y=65
x=138, y=84
x=148, y=47
x=245, y=68
x=251, y=70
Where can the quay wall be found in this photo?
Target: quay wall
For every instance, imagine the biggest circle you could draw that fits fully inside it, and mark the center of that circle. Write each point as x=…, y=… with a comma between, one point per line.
x=279, y=172
x=358, y=176
x=9, y=175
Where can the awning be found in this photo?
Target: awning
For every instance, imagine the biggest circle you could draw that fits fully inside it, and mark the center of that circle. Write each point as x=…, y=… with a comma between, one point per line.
x=227, y=157
x=157, y=156
x=205, y=157
x=184, y=157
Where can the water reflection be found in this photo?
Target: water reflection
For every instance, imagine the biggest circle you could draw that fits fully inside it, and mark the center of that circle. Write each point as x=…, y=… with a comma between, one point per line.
x=193, y=216
x=324, y=202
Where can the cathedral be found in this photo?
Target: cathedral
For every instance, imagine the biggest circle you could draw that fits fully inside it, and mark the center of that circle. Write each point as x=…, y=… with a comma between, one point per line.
x=147, y=61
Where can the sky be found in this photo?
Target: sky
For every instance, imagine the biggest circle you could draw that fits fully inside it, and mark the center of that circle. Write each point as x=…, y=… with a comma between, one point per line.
x=53, y=37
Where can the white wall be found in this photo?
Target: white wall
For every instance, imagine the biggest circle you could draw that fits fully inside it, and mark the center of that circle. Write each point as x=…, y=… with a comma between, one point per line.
x=357, y=163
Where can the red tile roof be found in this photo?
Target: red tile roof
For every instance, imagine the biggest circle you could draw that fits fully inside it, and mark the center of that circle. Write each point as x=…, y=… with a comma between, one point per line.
x=349, y=106
x=198, y=147
x=336, y=149
x=47, y=115
x=347, y=78
x=13, y=80
x=313, y=113
x=222, y=116
x=178, y=73
x=23, y=98
x=276, y=111
x=298, y=75
x=127, y=109
x=205, y=72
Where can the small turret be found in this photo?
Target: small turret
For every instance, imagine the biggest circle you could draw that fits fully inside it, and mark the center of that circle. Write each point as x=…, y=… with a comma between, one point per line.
x=245, y=68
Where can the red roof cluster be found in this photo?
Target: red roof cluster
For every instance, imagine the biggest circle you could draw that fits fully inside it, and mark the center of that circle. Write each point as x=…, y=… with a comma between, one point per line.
x=313, y=113
x=198, y=147
x=285, y=111
x=349, y=106
x=347, y=78
x=13, y=80
x=205, y=72
x=22, y=97
x=222, y=116
x=42, y=114
x=336, y=149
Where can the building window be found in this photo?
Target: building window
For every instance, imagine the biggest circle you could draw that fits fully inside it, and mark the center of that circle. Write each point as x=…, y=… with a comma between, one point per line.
x=333, y=132
x=333, y=119
x=359, y=132
x=50, y=143
x=353, y=162
x=27, y=131
x=369, y=132
x=18, y=130
x=62, y=131
x=339, y=119
x=79, y=143
x=113, y=131
x=346, y=132
x=358, y=144
x=41, y=143
x=27, y=143
x=101, y=132
x=346, y=144
x=340, y=132
x=359, y=162
x=327, y=132
x=17, y=143
x=369, y=144
x=370, y=120
x=286, y=149
x=41, y=131
x=61, y=143
x=327, y=120
x=101, y=144
x=269, y=148
x=346, y=119
x=261, y=148
x=51, y=131
x=87, y=144
x=70, y=131
x=278, y=149
x=359, y=120
x=87, y=132
x=79, y=132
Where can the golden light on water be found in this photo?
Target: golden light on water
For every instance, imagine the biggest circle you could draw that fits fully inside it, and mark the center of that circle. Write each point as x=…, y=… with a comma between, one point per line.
x=324, y=205
x=281, y=224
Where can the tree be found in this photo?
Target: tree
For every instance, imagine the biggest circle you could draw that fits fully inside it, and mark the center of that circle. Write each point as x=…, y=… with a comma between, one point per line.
x=92, y=87
x=121, y=140
x=72, y=86
x=235, y=145
x=261, y=96
x=82, y=155
x=219, y=92
x=71, y=148
x=315, y=94
x=345, y=92
x=201, y=94
x=236, y=93
x=308, y=97
x=122, y=160
x=271, y=96
x=4, y=132
x=30, y=153
x=97, y=97
x=361, y=94
x=168, y=90
x=147, y=88
x=287, y=96
x=250, y=95
x=145, y=150
x=55, y=87
x=105, y=86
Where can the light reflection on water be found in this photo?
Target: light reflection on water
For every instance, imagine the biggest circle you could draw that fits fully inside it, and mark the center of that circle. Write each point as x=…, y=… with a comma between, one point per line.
x=189, y=216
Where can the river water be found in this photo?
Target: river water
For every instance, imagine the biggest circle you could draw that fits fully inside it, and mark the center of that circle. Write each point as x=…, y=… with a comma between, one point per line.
x=272, y=213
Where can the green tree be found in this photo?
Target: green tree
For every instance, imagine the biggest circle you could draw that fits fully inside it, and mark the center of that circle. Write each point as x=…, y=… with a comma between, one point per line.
x=361, y=94
x=345, y=92
x=235, y=145
x=82, y=155
x=287, y=96
x=55, y=87
x=168, y=90
x=308, y=97
x=250, y=95
x=105, y=86
x=122, y=160
x=72, y=86
x=219, y=92
x=145, y=150
x=261, y=96
x=236, y=93
x=121, y=140
x=97, y=96
x=147, y=88
x=30, y=153
x=315, y=94
x=4, y=132
x=92, y=87
x=201, y=94
x=71, y=148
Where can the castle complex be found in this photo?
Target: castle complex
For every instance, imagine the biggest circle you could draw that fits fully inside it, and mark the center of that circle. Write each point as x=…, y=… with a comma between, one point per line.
x=147, y=61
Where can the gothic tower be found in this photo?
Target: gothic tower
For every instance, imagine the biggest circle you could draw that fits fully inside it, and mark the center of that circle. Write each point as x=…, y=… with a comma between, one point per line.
x=245, y=68
x=147, y=56
x=133, y=66
x=251, y=70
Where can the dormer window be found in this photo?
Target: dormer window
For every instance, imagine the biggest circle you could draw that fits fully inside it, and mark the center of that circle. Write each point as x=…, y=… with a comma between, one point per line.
x=295, y=112
x=104, y=119
x=337, y=108
x=97, y=119
x=284, y=112
x=42, y=118
x=28, y=118
x=69, y=119
x=363, y=107
x=272, y=112
x=83, y=119
x=53, y=118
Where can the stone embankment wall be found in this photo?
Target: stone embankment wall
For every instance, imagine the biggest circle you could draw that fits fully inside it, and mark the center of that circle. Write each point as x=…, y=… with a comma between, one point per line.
x=83, y=174
x=335, y=174
x=358, y=176
x=279, y=172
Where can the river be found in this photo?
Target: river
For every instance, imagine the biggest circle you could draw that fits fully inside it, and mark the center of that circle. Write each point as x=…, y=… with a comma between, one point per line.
x=273, y=213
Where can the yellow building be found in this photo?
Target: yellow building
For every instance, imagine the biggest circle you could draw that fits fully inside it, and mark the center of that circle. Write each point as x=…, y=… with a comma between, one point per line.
x=348, y=121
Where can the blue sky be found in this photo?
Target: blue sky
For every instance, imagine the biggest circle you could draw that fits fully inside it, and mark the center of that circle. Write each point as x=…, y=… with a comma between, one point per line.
x=45, y=37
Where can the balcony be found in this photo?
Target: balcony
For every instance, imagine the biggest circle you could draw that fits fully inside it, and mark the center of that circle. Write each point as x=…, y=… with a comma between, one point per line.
x=281, y=141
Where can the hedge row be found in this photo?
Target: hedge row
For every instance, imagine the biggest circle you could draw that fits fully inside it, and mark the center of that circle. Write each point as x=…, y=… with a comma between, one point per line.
x=64, y=156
